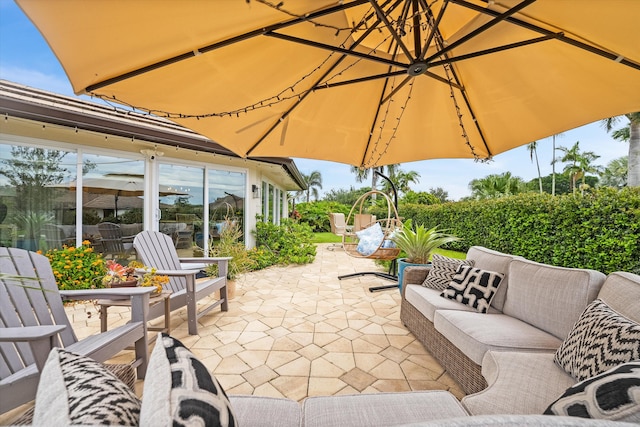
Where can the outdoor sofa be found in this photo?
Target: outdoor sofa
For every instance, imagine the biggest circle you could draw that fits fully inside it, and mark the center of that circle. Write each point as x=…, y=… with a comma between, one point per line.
x=524, y=379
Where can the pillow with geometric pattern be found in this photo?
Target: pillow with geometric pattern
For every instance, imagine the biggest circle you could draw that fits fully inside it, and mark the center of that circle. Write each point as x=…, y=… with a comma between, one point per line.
x=613, y=395
x=178, y=390
x=600, y=339
x=473, y=287
x=442, y=271
x=77, y=390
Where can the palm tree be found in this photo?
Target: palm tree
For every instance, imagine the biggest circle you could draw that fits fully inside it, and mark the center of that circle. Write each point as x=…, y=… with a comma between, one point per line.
x=533, y=151
x=314, y=182
x=571, y=156
x=363, y=174
x=616, y=173
x=633, y=136
x=401, y=180
x=494, y=186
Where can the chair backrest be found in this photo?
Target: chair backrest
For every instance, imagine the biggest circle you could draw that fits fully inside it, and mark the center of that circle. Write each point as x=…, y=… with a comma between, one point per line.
x=157, y=250
x=362, y=221
x=111, y=238
x=28, y=302
x=54, y=235
x=338, y=223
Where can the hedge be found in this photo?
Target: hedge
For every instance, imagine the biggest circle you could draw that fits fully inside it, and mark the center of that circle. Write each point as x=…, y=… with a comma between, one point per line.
x=600, y=230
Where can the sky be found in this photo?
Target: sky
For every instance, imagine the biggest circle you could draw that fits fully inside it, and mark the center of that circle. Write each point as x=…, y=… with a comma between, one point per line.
x=25, y=58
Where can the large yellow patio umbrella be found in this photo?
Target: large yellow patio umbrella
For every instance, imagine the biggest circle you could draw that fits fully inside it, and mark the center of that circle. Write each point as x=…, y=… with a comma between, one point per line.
x=366, y=83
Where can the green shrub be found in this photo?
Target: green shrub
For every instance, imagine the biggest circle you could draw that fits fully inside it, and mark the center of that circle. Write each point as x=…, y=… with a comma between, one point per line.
x=287, y=243
x=599, y=230
x=316, y=214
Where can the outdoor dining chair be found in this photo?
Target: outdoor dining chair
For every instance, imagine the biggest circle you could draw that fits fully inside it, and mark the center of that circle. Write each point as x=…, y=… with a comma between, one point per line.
x=33, y=320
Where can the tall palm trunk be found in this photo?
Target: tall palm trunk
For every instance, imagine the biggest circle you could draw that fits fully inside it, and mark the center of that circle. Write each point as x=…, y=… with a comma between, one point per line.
x=553, y=169
x=634, y=155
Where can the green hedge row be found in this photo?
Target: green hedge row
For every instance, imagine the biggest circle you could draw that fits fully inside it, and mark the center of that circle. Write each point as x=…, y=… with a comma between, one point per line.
x=600, y=230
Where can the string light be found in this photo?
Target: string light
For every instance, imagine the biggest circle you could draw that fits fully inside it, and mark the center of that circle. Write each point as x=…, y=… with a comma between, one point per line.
x=403, y=25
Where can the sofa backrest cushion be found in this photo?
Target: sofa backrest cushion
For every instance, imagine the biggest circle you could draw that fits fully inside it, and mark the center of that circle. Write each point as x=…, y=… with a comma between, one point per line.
x=621, y=292
x=488, y=259
x=548, y=297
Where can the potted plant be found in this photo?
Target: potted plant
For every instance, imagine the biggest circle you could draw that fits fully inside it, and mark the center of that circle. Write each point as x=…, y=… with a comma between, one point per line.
x=417, y=243
x=119, y=276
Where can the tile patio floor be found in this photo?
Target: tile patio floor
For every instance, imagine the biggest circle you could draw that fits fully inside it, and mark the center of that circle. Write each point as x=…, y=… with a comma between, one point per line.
x=298, y=331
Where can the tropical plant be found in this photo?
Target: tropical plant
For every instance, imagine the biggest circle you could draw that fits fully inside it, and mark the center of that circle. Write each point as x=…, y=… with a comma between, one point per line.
x=440, y=193
x=362, y=174
x=632, y=135
x=616, y=173
x=290, y=242
x=77, y=267
x=579, y=164
x=494, y=186
x=314, y=182
x=230, y=245
x=31, y=222
x=418, y=242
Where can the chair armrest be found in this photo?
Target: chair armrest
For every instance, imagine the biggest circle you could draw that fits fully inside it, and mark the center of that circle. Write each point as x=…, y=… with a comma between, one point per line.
x=414, y=275
x=222, y=262
x=107, y=293
x=208, y=260
x=29, y=333
x=40, y=338
x=170, y=272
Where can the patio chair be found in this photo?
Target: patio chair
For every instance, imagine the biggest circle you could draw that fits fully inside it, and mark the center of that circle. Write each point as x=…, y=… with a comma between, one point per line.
x=339, y=227
x=114, y=242
x=157, y=250
x=33, y=320
x=55, y=236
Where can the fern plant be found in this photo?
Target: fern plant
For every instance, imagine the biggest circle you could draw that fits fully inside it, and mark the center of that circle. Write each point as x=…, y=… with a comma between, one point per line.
x=418, y=242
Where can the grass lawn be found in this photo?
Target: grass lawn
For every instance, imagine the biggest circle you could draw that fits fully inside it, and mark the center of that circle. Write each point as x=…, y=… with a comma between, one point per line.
x=332, y=238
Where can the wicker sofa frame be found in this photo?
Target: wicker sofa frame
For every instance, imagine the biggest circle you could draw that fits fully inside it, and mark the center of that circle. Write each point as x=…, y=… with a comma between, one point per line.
x=460, y=367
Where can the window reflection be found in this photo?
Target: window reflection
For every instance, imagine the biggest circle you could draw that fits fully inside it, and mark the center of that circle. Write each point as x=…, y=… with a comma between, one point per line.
x=181, y=204
x=35, y=211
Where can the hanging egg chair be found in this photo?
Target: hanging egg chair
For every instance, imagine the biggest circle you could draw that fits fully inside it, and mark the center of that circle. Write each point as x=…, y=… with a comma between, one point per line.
x=371, y=236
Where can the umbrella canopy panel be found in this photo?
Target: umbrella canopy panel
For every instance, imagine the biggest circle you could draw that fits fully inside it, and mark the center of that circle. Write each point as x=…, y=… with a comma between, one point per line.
x=361, y=82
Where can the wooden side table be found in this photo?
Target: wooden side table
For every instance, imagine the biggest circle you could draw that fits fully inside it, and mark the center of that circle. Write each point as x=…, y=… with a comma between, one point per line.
x=153, y=300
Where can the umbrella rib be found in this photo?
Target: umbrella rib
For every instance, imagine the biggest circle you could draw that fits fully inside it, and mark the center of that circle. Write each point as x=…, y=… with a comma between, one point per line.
x=559, y=37
x=313, y=87
x=383, y=16
x=453, y=59
x=336, y=49
x=435, y=25
x=497, y=19
x=223, y=43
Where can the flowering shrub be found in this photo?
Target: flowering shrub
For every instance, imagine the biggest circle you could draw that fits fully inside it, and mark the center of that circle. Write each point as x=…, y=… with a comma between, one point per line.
x=77, y=268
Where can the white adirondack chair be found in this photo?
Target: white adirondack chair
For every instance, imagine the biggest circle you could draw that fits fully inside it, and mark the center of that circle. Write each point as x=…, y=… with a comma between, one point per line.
x=157, y=250
x=33, y=320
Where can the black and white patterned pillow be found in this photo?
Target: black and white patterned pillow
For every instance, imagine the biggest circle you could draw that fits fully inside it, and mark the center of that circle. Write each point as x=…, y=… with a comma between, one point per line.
x=613, y=395
x=473, y=287
x=599, y=340
x=178, y=390
x=442, y=271
x=75, y=389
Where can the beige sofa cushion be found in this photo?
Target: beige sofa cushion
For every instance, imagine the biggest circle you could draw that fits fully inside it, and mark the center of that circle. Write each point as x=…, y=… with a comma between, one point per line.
x=519, y=383
x=476, y=333
x=380, y=409
x=621, y=292
x=548, y=297
x=491, y=260
x=427, y=301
